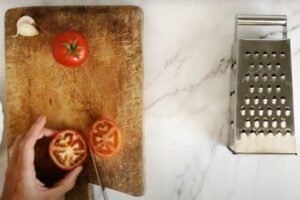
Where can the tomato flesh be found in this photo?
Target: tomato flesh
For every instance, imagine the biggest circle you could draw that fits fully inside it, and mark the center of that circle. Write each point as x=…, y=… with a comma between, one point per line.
x=105, y=138
x=70, y=48
x=68, y=149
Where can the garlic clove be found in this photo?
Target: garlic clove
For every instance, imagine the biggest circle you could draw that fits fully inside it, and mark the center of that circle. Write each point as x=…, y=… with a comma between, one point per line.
x=25, y=20
x=26, y=27
x=27, y=30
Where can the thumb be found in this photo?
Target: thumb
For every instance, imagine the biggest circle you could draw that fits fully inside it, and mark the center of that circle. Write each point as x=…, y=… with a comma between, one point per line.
x=66, y=184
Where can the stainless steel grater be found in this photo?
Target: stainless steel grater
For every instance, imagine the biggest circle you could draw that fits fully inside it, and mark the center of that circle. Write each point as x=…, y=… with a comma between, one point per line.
x=261, y=96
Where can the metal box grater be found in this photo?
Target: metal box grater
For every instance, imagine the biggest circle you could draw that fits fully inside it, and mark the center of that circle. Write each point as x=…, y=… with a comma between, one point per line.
x=261, y=96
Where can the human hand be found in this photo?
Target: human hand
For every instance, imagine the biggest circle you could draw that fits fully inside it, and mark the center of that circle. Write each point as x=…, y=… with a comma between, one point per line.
x=20, y=181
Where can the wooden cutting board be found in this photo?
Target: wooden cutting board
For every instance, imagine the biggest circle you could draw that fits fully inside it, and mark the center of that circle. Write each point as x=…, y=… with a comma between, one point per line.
x=109, y=84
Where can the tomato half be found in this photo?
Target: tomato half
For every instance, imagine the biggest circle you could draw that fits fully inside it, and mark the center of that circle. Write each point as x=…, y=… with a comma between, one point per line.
x=68, y=149
x=70, y=48
x=105, y=138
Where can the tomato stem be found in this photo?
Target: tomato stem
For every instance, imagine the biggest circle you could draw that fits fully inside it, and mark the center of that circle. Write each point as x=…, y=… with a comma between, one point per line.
x=72, y=48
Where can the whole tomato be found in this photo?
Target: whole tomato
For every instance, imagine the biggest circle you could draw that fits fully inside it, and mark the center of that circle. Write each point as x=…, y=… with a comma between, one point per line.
x=70, y=48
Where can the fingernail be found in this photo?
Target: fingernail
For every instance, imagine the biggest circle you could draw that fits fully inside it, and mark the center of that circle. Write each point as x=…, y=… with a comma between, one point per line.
x=40, y=137
x=80, y=168
x=42, y=118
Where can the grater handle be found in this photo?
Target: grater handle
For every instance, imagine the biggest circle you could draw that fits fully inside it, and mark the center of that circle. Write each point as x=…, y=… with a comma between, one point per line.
x=262, y=20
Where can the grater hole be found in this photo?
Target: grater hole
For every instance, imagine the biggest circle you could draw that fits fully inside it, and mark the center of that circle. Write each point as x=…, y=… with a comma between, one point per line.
x=278, y=131
x=278, y=88
x=252, y=132
x=274, y=54
x=273, y=77
x=256, y=53
x=274, y=100
x=243, y=131
x=243, y=111
x=277, y=65
x=256, y=100
x=265, y=54
x=269, y=89
x=265, y=123
x=247, y=123
x=282, y=100
x=269, y=111
x=251, y=66
x=256, y=77
x=287, y=111
x=260, y=89
x=269, y=66
x=282, y=76
x=247, y=77
x=283, y=123
x=278, y=111
x=282, y=54
x=247, y=100
x=260, y=66
x=251, y=89
x=256, y=123
x=265, y=77
x=288, y=132
x=251, y=111
x=265, y=100
x=270, y=132
x=274, y=123
x=261, y=132
x=247, y=53
x=260, y=111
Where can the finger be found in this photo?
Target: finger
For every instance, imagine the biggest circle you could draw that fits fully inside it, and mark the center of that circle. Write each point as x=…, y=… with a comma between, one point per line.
x=39, y=183
x=34, y=132
x=12, y=152
x=26, y=150
x=47, y=132
x=66, y=184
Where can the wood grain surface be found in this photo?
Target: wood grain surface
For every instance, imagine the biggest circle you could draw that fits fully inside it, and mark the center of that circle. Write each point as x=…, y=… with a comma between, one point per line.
x=109, y=84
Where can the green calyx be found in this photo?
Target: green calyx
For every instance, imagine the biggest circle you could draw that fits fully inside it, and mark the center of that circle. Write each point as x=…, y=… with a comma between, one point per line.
x=72, y=48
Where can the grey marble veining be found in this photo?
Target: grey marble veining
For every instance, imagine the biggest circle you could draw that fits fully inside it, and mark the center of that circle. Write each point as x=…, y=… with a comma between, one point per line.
x=187, y=51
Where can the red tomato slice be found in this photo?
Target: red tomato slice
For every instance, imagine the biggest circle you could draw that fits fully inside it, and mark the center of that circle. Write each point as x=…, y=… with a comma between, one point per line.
x=70, y=48
x=105, y=138
x=68, y=149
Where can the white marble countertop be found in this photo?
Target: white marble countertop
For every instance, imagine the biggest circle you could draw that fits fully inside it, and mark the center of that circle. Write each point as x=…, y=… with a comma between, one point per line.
x=187, y=47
